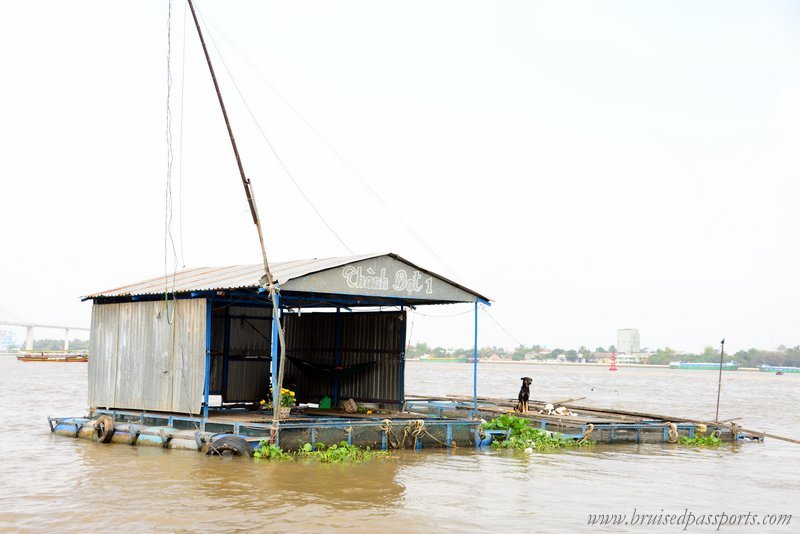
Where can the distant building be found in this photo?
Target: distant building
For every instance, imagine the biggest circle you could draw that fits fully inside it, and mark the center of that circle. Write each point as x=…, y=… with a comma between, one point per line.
x=601, y=357
x=7, y=340
x=605, y=357
x=633, y=358
x=628, y=340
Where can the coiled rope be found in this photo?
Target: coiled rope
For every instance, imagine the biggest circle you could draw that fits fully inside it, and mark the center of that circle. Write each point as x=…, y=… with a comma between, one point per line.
x=587, y=434
x=672, y=435
x=386, y=428
x=416, y=428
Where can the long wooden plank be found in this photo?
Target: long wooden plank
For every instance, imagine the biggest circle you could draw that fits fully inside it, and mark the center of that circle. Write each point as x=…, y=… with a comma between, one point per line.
x=533, y=403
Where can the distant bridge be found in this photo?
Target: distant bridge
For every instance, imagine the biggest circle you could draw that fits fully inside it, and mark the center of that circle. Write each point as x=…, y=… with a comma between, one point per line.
x=29, y=331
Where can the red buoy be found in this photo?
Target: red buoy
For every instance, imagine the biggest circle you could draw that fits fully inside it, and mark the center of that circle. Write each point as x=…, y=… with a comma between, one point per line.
x=613, y=362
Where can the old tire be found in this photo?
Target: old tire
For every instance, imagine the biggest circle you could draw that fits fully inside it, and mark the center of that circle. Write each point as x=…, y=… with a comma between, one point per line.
x=104, y=428
x=234, y=445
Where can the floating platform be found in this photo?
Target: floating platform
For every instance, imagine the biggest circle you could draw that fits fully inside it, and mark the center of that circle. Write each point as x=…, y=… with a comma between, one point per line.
x=778, y=369
x=443, y=422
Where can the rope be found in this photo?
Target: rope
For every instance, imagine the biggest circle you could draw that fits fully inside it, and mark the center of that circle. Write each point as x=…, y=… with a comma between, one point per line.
x=180, y=142
x=673, y=432
x=416, y=428
x=587, y=434
x=168, y=238
x=341, y=158
x=554, y=367
x=386, y=427
x=735, y=430
x=269, y=143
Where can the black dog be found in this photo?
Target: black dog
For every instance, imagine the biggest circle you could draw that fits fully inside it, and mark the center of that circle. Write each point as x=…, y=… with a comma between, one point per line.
x=524, y=395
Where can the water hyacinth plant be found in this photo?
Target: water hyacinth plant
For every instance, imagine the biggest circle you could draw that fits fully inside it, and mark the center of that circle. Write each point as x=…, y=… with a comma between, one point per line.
x=522, y=435
x=341, y=453
x=337, y=453
x=700, y=440
x=268, y=451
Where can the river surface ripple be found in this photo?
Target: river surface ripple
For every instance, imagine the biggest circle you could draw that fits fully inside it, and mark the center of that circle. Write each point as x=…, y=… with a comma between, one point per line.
x=52, y=483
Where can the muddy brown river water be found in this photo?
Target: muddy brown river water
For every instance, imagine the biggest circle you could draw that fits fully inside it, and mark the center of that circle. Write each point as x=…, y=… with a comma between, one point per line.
x=51, y=483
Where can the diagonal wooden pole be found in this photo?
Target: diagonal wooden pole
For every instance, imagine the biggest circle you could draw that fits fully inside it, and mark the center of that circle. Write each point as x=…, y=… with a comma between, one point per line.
x=267, y=280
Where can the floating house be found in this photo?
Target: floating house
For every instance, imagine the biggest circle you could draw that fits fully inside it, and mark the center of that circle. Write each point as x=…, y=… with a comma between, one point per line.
x=160, y=350
x=169, y=345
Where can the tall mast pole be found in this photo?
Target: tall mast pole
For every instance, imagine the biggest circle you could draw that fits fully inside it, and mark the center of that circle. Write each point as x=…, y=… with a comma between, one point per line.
x=269, y=282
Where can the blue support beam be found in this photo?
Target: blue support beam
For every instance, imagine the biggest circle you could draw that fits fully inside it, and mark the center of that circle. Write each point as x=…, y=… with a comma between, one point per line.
x=207, y=387
x=475, y=363
x=274, y=345
x=226, y=351
x=337, y=353
x=402, y=363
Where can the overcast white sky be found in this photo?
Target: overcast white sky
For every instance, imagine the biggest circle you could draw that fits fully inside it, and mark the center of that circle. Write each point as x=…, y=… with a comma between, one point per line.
x=588, y=165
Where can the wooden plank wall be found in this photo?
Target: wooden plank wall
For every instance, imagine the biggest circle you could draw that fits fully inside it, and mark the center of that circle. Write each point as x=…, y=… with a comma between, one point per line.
x=148, y=355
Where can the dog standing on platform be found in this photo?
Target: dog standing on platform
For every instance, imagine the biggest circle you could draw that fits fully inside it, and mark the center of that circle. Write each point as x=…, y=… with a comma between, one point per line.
x=524, y=395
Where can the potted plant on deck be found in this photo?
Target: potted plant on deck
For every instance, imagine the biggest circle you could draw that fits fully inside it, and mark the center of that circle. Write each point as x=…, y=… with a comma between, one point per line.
x=286, y=402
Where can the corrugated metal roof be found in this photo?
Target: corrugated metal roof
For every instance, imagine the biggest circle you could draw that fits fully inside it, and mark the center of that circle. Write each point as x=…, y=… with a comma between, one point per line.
x=244, y=276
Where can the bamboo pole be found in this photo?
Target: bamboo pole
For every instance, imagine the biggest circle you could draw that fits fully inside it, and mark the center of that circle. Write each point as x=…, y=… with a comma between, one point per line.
x=719, y=383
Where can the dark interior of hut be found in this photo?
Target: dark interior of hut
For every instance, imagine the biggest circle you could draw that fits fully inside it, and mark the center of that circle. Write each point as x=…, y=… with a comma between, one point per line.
x=334, y=354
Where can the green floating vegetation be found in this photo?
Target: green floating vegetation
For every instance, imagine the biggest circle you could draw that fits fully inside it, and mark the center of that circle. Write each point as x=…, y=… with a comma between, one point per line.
x=341, y=453
x=268, y=451
x=523, y=436
x=700, y=440
x=335, y=454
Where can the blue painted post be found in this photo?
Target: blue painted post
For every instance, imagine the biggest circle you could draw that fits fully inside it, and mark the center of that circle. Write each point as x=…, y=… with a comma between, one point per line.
x=449, y=438
x=337, y=353
x=207, y=387
x=226, y=352
x=475, y=364
x=402, y=384
x=276, y=394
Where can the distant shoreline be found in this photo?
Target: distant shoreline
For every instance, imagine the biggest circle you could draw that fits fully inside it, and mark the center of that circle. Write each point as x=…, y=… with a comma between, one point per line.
x=572, y=364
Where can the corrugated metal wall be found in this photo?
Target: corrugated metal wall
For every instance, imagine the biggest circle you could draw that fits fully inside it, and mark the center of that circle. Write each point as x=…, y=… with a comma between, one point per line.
x=148, y=355
x=363, y=337
x=241, y=342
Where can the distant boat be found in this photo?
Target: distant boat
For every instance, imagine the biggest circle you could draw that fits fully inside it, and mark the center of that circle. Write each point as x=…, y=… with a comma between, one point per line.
x=778, y=369
x=704, y=366
x=53, y=356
